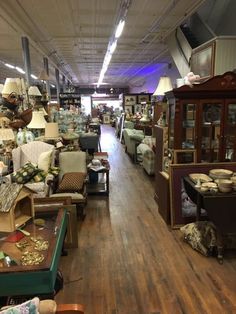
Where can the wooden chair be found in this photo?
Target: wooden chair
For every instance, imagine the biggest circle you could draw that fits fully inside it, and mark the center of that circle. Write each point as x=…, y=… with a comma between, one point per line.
x=70, y=309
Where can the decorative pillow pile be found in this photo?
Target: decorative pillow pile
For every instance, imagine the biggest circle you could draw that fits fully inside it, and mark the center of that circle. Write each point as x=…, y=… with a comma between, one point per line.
x=29, y=307
x=41, y=174
x=72, y=182
x=25, y=173
x=201, y=236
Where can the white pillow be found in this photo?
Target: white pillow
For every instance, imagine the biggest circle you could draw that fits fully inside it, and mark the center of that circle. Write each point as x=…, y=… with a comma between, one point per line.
x=44, y=160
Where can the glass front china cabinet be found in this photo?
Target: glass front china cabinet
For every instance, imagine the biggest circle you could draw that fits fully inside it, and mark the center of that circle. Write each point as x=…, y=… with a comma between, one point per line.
x=202, y=121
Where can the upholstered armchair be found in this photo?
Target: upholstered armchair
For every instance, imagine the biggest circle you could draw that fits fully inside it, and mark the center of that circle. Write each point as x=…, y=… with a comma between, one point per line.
x=72, y=179
x=41, y=156
x=146, y=154
x=131, y=139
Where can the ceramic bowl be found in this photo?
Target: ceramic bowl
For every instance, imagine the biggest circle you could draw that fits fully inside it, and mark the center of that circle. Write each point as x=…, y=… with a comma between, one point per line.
x=220, y=173
x=225, y=189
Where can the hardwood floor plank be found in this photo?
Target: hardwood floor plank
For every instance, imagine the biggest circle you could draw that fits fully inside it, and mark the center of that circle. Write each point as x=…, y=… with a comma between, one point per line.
x=128, y=259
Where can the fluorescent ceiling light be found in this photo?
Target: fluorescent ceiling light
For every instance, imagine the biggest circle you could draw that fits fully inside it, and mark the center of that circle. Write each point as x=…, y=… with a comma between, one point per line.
x=119, y=28
x=9, y=66
x=53, y=86
x=20, y=70
x=113, y=46
x=34, y=76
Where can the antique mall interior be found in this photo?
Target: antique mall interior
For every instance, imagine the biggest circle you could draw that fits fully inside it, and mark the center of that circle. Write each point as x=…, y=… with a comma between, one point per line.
x=117, y=156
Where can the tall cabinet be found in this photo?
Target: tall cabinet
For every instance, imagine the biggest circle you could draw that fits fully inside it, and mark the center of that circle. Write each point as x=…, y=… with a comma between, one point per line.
x=203, y=118
x=201, y=128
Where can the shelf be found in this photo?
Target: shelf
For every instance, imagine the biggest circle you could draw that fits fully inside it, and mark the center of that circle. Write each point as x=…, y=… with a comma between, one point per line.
x=19, y=221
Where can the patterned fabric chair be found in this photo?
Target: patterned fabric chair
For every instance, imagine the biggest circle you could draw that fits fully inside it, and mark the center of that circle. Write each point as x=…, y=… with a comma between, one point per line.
x=146, y=154
x=31, y=152
x=73, y=170
x=131, y=138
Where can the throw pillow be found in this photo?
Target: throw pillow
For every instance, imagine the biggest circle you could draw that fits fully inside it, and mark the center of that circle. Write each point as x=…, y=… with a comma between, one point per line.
x=201, y=236
x=30, y=307
x=25, y=173
x=72, y=182
x=44, y=160
x=39, y=176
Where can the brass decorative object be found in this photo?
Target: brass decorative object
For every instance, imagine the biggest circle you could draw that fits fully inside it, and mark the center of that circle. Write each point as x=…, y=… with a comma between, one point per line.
x=31, y=258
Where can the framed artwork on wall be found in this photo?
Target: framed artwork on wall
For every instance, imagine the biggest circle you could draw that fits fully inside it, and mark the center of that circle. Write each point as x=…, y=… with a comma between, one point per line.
x=202, y=61
x=138, y=108
x=183, y=210
x=130, y=100
x=143, y=98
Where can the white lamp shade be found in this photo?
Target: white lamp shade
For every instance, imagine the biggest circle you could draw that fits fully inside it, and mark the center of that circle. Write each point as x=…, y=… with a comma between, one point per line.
x=37, y=121
x=43, y=75
x=34, y=91
x=51, y=130
x=163, y=86
x=10, y=86
x=6, y=134
x=1, y=88
x=43, y=111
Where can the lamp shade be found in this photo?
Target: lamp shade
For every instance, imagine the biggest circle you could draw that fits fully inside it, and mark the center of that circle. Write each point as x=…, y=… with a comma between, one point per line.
x=10, y=86
x=43, y=75
x=6, y=134
x=1, y=88
x=38, y=121
x=34, y=91
x=163, y=86
x=51, y=130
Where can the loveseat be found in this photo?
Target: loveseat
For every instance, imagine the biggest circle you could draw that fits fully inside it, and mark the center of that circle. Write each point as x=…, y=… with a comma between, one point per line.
x=146, y=154
x=131, y=138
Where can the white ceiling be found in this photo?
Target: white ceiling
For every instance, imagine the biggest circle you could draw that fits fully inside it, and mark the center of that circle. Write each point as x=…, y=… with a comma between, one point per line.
x=74, y=36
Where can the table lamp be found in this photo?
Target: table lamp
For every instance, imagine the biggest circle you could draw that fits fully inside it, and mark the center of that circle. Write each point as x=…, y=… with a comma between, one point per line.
x=52, y=130
x=163, y=86
x=37, y=123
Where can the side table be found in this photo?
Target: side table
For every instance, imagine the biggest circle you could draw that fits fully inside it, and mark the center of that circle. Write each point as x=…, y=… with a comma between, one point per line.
x=101, y=182
x=220, y=208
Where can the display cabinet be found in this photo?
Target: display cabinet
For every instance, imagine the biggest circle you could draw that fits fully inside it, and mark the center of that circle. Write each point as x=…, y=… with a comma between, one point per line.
x=67, y=99
x=203, y=118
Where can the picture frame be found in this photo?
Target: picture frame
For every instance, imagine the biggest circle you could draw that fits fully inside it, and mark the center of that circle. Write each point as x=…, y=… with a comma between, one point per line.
x=177, y=200
x=202, y=61
x=137, y=108
x=130, y=100
x=143, y=98
x=183, y=156
x=130, y=108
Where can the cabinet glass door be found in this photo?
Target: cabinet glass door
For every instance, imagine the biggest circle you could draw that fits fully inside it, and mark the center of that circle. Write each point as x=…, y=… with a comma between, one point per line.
x=211, y=132
x=188, y=127
x=230, y=133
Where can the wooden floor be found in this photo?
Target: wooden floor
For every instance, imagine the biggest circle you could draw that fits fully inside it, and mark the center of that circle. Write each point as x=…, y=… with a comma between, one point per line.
x=129, y=261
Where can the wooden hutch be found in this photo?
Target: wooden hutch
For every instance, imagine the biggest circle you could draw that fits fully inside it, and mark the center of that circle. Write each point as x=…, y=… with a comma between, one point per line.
x=201, y=128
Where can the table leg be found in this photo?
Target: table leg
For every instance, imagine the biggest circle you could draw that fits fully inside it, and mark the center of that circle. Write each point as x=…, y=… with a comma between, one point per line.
x=199, y=205
x=220, y=246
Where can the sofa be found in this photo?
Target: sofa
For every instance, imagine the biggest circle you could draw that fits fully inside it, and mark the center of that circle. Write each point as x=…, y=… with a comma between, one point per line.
x=146, y=154
x=131, y=138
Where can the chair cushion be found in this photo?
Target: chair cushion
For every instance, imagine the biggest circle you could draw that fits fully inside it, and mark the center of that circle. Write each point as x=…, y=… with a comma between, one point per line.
x=44, y=160
x=72, y=182
x=29, y=307
x=74, y=196
x=25, y=173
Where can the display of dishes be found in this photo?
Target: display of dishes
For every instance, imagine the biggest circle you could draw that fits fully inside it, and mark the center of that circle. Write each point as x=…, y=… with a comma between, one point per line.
x=199, y=176
x=220, y=174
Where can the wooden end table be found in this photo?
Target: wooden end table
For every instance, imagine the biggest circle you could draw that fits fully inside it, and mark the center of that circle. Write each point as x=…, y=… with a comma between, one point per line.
x=101, y=185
